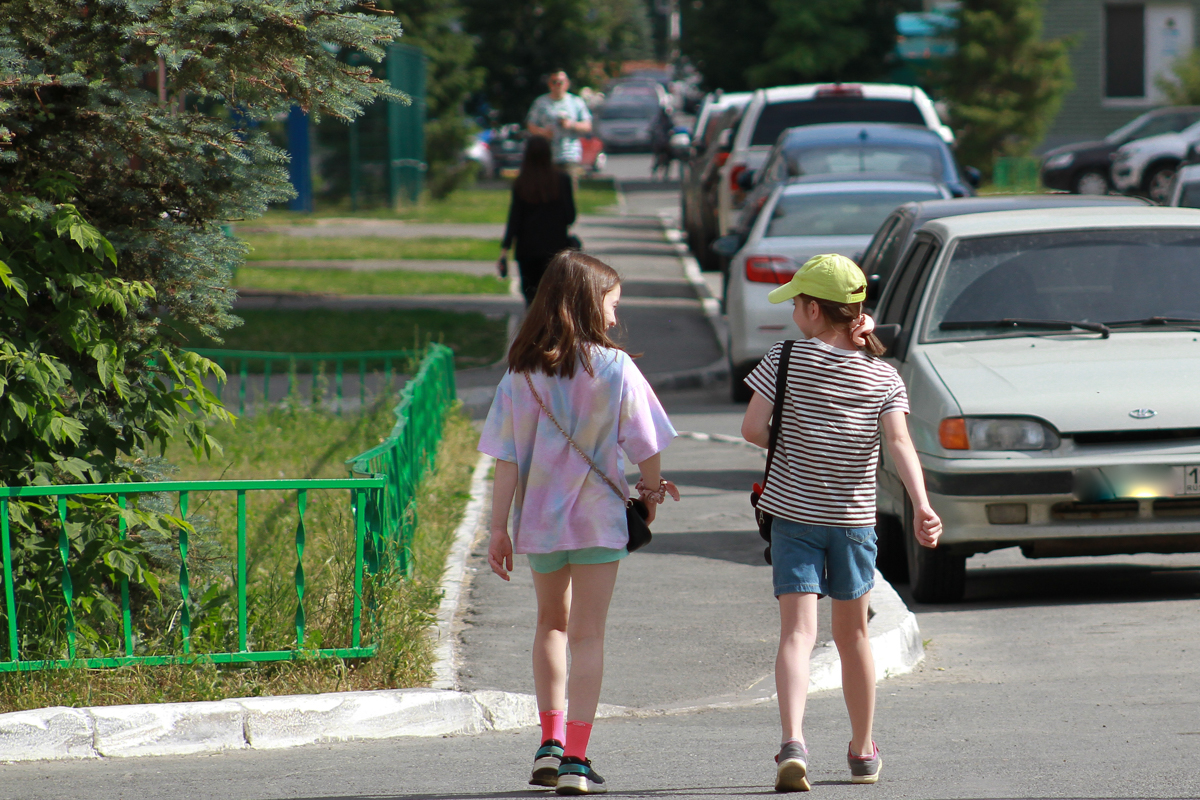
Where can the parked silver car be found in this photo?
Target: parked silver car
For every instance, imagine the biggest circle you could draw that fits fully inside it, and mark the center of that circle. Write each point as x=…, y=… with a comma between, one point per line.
x=826, y=214
x=1051, y=360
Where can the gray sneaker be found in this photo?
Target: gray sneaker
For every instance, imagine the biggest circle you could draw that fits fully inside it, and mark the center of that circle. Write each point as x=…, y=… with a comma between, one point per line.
x=864, y=769
x=791, y=771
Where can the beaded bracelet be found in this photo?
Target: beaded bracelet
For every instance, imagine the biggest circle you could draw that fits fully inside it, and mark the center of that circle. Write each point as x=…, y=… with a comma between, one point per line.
x=649, y=495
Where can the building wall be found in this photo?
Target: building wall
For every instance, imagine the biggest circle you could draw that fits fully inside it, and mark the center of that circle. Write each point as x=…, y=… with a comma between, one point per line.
x=1086, y=114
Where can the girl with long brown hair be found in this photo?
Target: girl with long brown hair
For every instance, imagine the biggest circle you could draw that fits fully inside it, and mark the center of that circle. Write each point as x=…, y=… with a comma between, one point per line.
x=567, y=378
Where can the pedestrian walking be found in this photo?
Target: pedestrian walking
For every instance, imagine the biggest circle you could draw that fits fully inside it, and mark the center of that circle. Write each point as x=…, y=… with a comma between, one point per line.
x=569, y=402
x=562, y=118
x=820, y=490
x=539, y=215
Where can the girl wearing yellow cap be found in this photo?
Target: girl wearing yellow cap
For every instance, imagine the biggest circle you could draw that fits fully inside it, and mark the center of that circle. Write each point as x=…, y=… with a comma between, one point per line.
x=820, y=489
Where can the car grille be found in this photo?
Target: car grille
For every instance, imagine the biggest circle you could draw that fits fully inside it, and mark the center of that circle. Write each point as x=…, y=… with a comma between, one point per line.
x=1135, y=437
x=1125, y=509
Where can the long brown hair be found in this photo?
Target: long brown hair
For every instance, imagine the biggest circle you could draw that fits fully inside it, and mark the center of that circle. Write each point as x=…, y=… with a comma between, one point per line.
x=566, y=315
x=539, y=179
x=843, y=316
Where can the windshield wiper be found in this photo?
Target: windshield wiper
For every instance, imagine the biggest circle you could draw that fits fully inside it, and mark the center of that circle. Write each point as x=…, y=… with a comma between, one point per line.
x=1013, y=322
x=1154, y=321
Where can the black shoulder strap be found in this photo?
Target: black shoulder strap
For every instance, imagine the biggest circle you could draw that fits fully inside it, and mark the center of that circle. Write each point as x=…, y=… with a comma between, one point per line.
x=777, y=413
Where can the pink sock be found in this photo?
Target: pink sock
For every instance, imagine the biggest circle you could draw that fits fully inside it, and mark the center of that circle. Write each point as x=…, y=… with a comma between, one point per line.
x=578, y=734
x=552, y=725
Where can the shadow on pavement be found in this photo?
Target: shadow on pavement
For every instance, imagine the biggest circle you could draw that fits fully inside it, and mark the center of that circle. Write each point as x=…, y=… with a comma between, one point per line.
x=732, y=480
x=737, y=547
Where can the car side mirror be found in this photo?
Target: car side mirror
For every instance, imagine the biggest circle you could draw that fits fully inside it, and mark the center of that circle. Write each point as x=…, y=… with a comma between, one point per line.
x=974, y=177
x=873, y=282
x=887, y=336
x=727, y=246
x=746, y=180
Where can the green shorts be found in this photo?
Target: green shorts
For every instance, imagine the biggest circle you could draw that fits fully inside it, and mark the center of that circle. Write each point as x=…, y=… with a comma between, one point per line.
x=553, y=562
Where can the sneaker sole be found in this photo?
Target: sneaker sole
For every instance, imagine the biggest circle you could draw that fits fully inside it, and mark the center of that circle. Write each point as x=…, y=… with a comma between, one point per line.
x=545, y=772
x=577, y=784
x=864, y=778
x=792, y=776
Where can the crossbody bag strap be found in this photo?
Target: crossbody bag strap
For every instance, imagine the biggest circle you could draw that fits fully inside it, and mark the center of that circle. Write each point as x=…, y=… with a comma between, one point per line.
x=777, y=411
x=582, y=454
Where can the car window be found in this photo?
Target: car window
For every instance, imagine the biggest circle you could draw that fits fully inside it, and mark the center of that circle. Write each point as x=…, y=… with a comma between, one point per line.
x=891, y=251
x=878, y=241
x=839, y=213
x=1084, y=276
x=776, y=117
x=1164, y=123
x=1190, y=196
x=897, y=300
x=842, y=158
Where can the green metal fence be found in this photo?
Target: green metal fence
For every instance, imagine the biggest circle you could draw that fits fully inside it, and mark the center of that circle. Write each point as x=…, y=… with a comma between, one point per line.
x=408, y=451
x=382, y=498
x=243, y=363
x=1017, y=173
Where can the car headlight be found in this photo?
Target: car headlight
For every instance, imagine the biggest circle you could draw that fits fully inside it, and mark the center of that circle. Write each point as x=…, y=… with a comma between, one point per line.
x=996, y=433
x=1061, y=161
x=1123, y=156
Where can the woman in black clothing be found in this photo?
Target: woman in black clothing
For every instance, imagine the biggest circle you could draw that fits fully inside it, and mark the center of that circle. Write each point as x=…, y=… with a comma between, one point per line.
x=542, y=209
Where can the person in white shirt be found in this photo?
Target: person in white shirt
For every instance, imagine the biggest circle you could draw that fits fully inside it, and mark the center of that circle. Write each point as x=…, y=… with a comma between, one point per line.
x=562, y=118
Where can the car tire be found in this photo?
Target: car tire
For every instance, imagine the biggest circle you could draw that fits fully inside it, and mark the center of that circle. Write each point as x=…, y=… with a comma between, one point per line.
x=891, y=558
x=739, y=392
x=1158, y=183
x=1091, y=181
x=934, y=575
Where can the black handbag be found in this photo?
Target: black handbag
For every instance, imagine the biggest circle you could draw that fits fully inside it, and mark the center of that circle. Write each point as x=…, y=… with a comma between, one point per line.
x=636, y=511
x=765, y=518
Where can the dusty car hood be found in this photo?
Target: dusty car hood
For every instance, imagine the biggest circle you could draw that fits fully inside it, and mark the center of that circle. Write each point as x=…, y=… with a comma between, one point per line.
x=1077, y=383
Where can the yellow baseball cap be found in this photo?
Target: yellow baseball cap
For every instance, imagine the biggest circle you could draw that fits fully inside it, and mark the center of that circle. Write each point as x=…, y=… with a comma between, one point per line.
x=829, y=277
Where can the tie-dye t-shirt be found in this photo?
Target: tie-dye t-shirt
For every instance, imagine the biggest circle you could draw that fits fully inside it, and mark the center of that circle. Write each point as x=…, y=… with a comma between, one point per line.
x=558, y=504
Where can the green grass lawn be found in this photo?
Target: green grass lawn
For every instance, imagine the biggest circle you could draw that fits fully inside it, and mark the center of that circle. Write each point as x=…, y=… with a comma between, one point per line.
x=343, y=281
x=483, y=204
x=282, y=247
x=475, y=339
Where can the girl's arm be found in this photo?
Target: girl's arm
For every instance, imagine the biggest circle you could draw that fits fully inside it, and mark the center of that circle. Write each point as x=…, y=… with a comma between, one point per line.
x=504, y=487
x=651, y=470
x=756, y=425
x=926, y=524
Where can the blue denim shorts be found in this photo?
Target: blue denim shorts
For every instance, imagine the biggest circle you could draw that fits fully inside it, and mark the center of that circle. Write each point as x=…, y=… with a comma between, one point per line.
x=822, y=559
x=553, y=562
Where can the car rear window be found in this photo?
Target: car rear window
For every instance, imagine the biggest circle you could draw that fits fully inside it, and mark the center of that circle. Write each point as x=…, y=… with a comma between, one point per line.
x=627, y=112
x=1088, y=276
x=839, y=213
x=777, y=117
x=842, y=158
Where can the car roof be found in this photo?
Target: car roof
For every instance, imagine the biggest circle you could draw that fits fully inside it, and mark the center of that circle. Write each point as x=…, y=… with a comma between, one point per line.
x=870, y=182
x=728, y=99
x=870, y=91
x=1062, y=219
x=936, y=209
x=877, y=177
x=849, y=131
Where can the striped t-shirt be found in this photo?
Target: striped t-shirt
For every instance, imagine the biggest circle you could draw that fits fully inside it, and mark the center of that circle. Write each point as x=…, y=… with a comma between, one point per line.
x=824, y=467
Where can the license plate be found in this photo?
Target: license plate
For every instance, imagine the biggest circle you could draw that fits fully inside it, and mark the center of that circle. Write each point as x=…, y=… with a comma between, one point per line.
x=1189, y=482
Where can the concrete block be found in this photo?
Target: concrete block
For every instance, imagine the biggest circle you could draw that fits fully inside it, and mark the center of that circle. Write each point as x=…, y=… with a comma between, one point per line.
x=46, y=733
x=277, y=722
x=168, y=729
x=503, y=711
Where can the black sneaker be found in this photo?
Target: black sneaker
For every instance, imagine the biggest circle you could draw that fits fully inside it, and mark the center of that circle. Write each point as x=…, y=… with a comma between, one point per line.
x=791, y=771
x=576, y=776
x=545, y=763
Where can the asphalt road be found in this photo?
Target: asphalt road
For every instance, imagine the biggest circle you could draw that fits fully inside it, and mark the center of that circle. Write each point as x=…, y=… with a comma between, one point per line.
x=1055, y=679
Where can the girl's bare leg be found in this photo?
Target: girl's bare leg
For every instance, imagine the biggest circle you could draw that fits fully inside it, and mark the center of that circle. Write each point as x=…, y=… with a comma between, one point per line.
x=858, y=668
x=797, y=634
x=592, y=585
x=553, y=590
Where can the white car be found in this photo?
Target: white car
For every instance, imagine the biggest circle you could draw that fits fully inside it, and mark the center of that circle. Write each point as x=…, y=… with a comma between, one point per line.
x=1147, y=166
x=1185, y=189
x=771, y=111
x=1051, y=358
x=824, y=214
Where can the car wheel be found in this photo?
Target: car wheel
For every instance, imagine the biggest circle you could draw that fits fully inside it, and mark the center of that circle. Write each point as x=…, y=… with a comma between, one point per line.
x=1158, y=184
x=739, y=392
x=934, y=575
x=1091, y=182
x=891, y=559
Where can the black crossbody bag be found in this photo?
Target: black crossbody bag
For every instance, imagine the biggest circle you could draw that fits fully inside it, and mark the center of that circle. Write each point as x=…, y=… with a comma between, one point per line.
x=764, y=518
